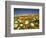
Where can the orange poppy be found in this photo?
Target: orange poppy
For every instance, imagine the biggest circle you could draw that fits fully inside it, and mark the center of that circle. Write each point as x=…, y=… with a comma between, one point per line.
x=21, y=17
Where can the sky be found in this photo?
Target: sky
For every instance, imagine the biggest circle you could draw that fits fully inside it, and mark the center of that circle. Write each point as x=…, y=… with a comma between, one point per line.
x=25, y=11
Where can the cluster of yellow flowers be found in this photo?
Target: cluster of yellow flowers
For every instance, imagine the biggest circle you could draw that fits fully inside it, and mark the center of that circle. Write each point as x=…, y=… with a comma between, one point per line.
x=26, y=22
